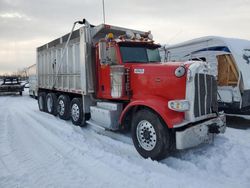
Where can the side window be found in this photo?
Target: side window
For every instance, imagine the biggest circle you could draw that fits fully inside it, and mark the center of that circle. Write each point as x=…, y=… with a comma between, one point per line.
x=112, y=56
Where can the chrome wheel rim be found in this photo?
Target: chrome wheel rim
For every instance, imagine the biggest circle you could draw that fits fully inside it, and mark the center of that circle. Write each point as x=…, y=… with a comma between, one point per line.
x=146, y=135
x=62, y=107
x=49, y=104
x=75, y=112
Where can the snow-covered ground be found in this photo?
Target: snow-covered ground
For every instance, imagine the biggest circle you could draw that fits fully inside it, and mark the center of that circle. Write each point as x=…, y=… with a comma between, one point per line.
x=40, y=150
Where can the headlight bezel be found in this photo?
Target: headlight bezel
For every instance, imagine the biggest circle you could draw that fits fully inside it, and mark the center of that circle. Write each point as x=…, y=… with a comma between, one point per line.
x=179, y=105
x=180, y=71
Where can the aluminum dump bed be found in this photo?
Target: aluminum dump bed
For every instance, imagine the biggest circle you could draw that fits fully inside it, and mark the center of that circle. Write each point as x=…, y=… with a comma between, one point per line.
x=72, y=72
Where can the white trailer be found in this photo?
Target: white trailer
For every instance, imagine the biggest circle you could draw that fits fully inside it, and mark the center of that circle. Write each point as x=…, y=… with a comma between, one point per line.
x=32, y=78
x=229, y=60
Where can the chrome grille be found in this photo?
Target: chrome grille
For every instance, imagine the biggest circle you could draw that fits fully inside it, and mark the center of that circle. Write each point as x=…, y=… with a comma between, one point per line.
x=205, y=99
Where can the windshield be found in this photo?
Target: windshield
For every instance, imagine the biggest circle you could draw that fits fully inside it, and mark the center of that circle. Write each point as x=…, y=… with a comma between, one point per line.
x=139, y=54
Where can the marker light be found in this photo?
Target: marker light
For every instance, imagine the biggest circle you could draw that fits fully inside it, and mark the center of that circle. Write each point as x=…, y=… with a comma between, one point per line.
x=150, y=36
x=138, y=36
x=110, y=36
x=179, y=105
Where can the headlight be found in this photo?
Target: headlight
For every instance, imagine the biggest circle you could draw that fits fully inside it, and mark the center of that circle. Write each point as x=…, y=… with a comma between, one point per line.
x=178, y=105
x=180, y=71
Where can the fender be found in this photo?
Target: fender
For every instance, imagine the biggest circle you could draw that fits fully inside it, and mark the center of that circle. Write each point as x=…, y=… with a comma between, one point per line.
x=160, y=106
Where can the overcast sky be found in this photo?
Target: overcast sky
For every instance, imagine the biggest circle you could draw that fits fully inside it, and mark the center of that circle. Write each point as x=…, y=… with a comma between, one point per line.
x=27, y=24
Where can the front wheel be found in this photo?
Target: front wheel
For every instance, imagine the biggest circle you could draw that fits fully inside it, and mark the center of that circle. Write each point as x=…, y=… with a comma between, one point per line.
x=150, y=135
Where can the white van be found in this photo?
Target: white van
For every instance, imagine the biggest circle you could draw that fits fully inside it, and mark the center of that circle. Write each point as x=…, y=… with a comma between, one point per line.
x=229, y=60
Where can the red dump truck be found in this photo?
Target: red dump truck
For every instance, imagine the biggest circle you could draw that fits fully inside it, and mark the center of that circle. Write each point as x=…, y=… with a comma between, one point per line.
x=112, y=77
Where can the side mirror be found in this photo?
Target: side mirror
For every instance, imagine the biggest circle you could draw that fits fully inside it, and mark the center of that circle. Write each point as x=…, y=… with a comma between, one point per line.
x=103, y=52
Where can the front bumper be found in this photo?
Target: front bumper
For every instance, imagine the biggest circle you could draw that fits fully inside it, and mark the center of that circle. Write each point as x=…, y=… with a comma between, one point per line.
x=11, y=88
x=200, y=133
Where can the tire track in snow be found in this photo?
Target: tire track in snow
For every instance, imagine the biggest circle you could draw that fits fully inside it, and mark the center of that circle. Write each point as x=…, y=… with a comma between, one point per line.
x=36, y=130
x=89, y=153
x=21, y=159
x=5, y=135
x=110, y=160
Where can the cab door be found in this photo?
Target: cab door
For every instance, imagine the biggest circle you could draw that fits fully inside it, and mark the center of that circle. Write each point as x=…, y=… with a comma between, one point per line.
x=104, y=72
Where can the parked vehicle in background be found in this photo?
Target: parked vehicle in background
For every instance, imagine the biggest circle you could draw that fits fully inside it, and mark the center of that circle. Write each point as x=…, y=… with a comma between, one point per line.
x=10, y=85
x=32, y=78
x=112, y=77
x=229, y=60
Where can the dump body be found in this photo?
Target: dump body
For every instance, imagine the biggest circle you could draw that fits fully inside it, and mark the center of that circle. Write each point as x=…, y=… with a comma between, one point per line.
x=74, y=72
x=58, y=73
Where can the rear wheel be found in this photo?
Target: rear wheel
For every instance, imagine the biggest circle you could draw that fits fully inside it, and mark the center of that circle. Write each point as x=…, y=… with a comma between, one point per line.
x=150, y=135
x=63, y=103
x=51, y=102
x=76, y=112
x=20, y=93
x=41, y=101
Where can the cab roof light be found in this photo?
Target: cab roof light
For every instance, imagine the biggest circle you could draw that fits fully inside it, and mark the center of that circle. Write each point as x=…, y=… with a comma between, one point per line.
x=138, y=36
x=122, y=37
x=130, y=35
x=148, y=35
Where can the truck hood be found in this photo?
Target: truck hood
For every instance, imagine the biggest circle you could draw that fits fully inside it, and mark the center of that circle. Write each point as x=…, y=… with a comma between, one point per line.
x=158, y=79
x=165, y=68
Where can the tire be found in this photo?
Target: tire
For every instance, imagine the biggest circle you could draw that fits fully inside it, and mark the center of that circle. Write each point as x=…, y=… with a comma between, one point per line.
x=150, y=135
x=76, y=112
x=63, y=104
x=41, y=101
x=51, y=102
x=20, y=93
